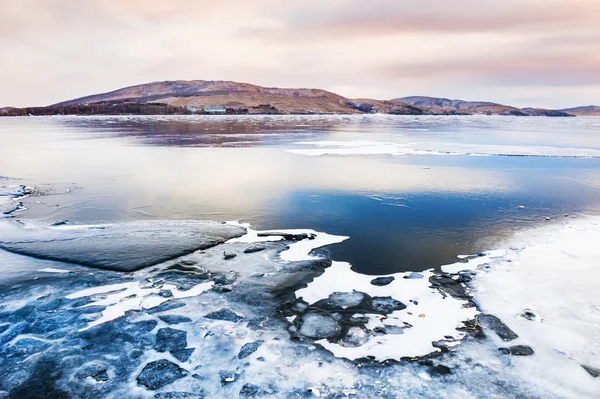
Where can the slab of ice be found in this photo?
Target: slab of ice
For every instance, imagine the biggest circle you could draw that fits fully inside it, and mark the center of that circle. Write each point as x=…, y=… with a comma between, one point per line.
x=365, y=147
x=553, y=272
x=122, y=247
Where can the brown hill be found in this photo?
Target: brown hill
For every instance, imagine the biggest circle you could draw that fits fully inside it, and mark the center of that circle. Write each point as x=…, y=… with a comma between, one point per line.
x=195, y=95
x=201, y=93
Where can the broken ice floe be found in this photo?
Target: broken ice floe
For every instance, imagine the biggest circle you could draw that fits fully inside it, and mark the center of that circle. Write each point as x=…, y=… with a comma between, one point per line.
x=10, y=199
x=425, y=316
x=406, y=317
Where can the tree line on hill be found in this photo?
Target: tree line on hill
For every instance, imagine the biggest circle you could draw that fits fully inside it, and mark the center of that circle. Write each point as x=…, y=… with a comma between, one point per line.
x=99, y=109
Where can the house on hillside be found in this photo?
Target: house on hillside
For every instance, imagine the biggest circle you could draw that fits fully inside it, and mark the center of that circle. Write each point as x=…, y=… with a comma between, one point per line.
x=194, y=110
x=214, y=110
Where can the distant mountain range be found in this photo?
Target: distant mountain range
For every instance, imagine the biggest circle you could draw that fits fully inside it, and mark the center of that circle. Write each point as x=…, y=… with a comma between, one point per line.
x=201, y=96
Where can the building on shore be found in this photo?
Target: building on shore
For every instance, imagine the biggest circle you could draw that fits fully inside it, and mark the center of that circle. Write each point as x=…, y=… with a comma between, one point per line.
x=215, y=110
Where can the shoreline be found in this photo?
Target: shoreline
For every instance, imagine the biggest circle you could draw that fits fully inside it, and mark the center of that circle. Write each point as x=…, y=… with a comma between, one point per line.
x=300, y=114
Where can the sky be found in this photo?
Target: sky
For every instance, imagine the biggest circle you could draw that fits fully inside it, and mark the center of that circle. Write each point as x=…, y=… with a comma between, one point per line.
x=542, y=53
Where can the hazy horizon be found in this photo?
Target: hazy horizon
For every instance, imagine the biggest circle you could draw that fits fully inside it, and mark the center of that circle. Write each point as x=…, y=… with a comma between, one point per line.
x=521, y=53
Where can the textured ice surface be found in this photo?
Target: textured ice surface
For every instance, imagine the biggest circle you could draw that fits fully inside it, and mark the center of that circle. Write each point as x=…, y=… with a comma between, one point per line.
x=49, y=349
x=366, y=147
x=124, y=247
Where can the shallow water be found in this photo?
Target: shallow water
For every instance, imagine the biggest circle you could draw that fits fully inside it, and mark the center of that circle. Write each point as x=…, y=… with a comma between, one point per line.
x=403, y=213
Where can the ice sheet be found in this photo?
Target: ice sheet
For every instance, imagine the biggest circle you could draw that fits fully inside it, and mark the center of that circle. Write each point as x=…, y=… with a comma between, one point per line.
x=366, y=147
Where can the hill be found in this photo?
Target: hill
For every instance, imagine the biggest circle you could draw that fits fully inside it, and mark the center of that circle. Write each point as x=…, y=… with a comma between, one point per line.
x=446, y=105
x=202, y=93
x=587, y=110
x=204, y=96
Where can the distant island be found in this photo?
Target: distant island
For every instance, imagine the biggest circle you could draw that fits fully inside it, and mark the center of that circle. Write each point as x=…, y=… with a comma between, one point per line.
x=225, y=97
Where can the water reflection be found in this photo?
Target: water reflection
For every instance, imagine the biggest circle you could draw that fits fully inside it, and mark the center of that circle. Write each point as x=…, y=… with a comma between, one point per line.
x=402, y=213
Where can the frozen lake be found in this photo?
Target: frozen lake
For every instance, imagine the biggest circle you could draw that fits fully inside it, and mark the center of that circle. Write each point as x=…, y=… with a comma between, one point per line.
x=457, y=219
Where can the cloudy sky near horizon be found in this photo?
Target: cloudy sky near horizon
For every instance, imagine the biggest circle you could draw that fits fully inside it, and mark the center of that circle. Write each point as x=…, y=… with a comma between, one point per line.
x=518, y=52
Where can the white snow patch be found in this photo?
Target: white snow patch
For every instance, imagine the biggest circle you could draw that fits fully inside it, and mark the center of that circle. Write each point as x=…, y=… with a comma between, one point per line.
x=131, y=296
x=297, y=251
x=53, y=270
x=552, y=273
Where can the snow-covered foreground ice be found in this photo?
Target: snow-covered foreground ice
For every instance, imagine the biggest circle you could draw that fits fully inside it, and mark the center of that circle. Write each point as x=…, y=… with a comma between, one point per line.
x=217, y=323
x=366, y=147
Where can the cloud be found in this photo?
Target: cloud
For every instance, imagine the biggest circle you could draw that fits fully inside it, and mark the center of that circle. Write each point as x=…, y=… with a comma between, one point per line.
x=564, y=69
x=60, y=49
x=355, y=18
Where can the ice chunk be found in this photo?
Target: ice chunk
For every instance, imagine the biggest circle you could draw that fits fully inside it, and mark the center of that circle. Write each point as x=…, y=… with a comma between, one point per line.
x=317, y=326
x=159, y=373
x=382, y=280
x=518, y=350
x=496, y=325
x=249, y=349
x=347, y=299
x=225, y=314
x=170, y=339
